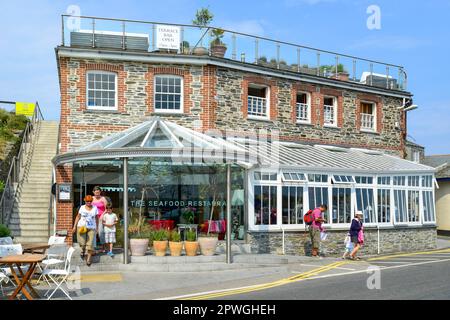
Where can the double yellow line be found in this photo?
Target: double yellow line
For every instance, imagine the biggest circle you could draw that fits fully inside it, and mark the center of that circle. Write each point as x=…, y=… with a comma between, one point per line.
x=409, y=254
x=298, y=277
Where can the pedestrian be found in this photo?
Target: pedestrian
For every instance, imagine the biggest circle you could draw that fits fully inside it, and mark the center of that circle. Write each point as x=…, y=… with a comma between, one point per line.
x=85, y=225
x=316, y=228
x=356, y=234
x=348, y=246
x=100, y=202
x=109, y=221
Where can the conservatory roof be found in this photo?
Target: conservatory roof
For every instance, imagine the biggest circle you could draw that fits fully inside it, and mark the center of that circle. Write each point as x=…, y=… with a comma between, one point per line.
x=160, y=139
x=291, y=155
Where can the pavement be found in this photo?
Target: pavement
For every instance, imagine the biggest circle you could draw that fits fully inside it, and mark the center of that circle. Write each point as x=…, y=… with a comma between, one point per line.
x=211, y=278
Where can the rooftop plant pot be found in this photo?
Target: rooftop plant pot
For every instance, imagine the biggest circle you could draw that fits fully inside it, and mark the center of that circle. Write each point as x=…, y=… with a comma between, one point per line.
x=218, y=50
x=200, y=51
x=160, y=248
x=191, y=248
x=207, y=245
x=175, y=248
x=138, y=247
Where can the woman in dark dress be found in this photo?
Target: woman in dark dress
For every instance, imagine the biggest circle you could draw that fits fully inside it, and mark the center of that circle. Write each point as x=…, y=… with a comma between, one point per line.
x=355, y=229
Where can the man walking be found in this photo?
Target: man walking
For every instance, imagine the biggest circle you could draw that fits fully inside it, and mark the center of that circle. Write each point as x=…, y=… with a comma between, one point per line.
x=316, y=227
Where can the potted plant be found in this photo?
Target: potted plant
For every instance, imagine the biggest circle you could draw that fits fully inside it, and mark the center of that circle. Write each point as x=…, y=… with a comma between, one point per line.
x=191, y=245
x=218, y=48
x=160, y=237
x=202, y=18
x=139, y=234
x=185, y=47
x=188, y=214
x=208, y=243
x=175, y=244
x=4, y=231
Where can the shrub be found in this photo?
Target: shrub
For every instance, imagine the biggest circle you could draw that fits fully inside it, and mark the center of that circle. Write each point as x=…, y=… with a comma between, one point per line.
x=160, y=234
x=4, y=231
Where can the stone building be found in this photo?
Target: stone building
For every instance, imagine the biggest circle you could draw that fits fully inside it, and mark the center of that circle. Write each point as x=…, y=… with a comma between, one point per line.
x=317, y=135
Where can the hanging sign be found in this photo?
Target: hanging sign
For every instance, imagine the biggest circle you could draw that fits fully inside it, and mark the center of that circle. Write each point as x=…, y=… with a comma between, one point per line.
x=168, y=37
x=25, y=108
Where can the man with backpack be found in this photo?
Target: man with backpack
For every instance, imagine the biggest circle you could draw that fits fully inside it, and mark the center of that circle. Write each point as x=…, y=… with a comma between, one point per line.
x=314, y=219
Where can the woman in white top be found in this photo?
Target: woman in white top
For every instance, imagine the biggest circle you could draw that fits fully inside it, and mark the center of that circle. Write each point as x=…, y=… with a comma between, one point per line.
x=86, y=219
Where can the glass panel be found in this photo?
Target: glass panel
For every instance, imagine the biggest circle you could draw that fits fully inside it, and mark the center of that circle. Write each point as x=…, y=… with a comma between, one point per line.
x=413, y=206
x=318, y=196
x=400, y=208
x=159, y=139
x=258, y=205
x=384, y=205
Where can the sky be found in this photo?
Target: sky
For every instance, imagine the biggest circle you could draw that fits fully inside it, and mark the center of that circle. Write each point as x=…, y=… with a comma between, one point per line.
x=413, y=34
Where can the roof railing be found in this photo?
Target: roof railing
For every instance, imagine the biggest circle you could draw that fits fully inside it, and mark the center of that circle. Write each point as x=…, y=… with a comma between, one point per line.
x=123, y=34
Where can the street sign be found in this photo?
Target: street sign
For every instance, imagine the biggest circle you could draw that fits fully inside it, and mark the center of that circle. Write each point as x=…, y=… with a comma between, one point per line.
x=25, y=108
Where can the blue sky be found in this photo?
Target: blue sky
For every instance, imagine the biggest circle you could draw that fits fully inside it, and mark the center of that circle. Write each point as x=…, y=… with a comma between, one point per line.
x=413, y=34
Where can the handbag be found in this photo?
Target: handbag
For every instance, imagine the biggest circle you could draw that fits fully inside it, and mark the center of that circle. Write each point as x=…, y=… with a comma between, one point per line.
x=361, y=236
x=82, y=230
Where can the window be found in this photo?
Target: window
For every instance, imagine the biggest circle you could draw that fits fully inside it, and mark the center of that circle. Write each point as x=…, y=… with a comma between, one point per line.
x=343, y=179
x=364, y=180
x=368, y=116
x=384, y=181
x=400, y=206
x=399, y=181
x=265, y=176
x=416, y=156
x=317, y=197
x=257, y=101
x=318, y=178
x=413, y=181
x=303, y=107
x=101, y=90
x=384, y=205
x=293, y=176
x=427, y=181
x=329, y=111
x=341, y=205
x=365, y=203
x=413, y=206
x=292, y=205
x=265, y=203
x=428, y=206
x=168, y=93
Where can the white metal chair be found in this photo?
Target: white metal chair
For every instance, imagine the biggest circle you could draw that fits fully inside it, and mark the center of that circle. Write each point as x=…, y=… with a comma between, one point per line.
x=4, y=278
x=59, y=276
x=55, y=255
x=5, y=271
x=6, y=240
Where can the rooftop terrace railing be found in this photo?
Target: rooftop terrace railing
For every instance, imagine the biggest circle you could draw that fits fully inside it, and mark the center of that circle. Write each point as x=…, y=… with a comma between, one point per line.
x=135, y=35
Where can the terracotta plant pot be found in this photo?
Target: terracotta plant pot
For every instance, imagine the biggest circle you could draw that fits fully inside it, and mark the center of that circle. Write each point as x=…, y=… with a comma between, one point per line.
x=175, y=248
x=191, y=248
x=218, y=50
x=160, y=248
x=207, y=245
x=138, y=247
x=200, y=51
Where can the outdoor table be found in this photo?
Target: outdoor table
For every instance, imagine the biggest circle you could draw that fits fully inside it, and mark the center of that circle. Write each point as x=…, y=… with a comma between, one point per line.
x=18, y=260
x=35, y=247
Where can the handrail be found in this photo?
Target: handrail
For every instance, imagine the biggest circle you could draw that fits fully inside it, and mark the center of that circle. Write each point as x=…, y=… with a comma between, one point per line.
x=15, y=173
x=235, y=32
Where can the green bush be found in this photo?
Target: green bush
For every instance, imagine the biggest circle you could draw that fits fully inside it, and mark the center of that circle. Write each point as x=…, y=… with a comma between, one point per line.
x=4, y=231
x=2, y=186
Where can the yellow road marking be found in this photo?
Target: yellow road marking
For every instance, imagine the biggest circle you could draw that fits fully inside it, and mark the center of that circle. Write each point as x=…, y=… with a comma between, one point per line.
x=113, y=277
x=299, y=277
x=409, y=254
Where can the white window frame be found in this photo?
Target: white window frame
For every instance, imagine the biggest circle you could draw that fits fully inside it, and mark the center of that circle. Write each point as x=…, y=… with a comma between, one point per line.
x=374, y=119
x=416, y=156
x=334, y=106
x=168, y=76
x=267, y=101
x=102, y=108
x=308, y=108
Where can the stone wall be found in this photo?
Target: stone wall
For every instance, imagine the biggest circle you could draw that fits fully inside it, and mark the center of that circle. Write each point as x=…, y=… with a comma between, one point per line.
x=391, y=241
x=216, y=98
